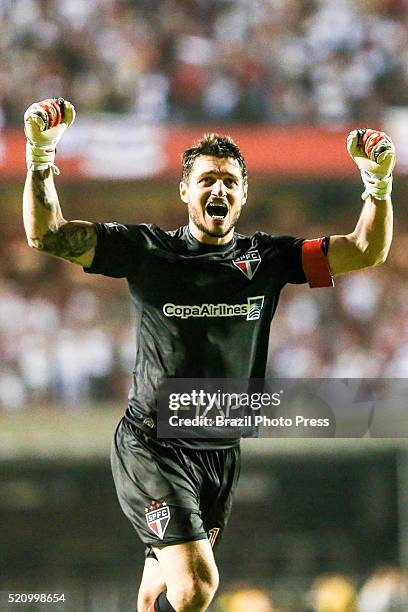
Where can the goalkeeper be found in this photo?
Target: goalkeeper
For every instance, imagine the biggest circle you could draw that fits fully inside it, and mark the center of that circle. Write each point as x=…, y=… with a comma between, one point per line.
x=178, y=493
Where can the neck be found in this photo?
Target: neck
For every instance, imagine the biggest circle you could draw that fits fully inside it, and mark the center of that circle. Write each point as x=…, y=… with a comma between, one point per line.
x=207, y=238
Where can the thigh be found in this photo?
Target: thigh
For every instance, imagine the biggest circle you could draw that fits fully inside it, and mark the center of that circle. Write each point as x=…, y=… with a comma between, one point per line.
x=188, y=562
x=155, y=489
x=152, y=584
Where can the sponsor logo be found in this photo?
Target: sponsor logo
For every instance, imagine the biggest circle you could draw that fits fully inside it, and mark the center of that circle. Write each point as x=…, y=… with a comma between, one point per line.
x=148, y=422
x=157, y=518
x=248, y=263
x=255, y=306
x=251, y=310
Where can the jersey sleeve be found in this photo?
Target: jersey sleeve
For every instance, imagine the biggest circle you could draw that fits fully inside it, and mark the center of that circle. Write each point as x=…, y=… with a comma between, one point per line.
x=118, y=250
x=305, y=261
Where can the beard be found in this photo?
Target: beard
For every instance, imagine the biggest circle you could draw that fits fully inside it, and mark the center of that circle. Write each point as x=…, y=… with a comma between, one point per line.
x=218, y=232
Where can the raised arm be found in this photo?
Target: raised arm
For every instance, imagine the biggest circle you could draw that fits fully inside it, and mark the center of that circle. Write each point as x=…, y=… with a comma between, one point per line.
x=45, y=227
x=369, y=243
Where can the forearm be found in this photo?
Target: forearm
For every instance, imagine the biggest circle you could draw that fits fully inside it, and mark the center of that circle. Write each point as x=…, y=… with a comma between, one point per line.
x=41, y=209
x=368, y=244
x=373, y=232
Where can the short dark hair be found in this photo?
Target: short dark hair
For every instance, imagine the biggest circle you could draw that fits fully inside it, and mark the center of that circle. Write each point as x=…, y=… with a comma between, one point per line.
x=217, y=146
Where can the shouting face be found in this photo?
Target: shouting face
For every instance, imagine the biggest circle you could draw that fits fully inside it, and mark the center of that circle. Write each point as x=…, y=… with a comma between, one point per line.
x=215, y=194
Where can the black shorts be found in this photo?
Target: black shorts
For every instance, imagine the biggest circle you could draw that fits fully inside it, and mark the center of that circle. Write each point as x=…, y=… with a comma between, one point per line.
x=169, y=493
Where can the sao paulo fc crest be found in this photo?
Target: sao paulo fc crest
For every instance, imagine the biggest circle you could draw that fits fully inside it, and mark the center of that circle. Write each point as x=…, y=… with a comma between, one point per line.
x=157, y=518
x=248, y=263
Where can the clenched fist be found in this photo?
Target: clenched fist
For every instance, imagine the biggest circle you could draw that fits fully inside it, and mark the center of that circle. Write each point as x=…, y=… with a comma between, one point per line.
x=44, y=124
x=374, y=153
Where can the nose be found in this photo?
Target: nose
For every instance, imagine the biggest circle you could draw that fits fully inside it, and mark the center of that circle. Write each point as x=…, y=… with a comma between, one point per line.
x=218, y=188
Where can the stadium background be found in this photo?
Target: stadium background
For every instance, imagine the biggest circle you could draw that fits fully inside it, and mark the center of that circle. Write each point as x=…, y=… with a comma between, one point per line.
x=288, y=80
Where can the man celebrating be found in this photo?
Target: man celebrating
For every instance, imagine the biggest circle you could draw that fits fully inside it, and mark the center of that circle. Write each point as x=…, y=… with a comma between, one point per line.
x=205, y=296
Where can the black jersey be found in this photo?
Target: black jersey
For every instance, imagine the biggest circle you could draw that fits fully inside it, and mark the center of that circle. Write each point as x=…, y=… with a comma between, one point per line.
x=202, y=311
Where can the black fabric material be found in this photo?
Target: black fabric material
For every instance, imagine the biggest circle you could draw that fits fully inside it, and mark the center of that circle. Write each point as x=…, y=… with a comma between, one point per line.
x=174, y=268
x=196, y=486
x=325, y=245
x=162, y=604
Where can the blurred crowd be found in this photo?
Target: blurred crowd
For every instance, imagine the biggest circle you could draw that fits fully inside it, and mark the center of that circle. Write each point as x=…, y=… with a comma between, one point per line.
x=63, y=339
x=386, y=590
x=276, y=61
x=68, y=337
x=357, y=331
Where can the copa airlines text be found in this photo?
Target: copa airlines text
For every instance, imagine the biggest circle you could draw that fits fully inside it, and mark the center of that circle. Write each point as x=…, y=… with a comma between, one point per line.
x=251, y=309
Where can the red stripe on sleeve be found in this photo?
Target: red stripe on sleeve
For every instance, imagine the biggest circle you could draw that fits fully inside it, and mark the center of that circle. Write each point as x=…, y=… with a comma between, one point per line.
x=315, y=264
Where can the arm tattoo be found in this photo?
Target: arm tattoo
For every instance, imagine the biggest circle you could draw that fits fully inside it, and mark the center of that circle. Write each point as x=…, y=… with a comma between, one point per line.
x=70, y=241
x=44, y=196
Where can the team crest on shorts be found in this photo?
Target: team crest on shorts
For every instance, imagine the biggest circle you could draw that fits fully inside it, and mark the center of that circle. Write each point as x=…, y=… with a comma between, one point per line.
x=157, y=518
x=248, y=263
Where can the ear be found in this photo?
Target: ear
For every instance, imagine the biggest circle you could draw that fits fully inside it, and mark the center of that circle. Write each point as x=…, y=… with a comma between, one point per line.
x=184, y=192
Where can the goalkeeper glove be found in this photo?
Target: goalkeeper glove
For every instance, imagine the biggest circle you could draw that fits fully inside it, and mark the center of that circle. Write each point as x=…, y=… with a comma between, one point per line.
x=374, y=154
x=44, y=124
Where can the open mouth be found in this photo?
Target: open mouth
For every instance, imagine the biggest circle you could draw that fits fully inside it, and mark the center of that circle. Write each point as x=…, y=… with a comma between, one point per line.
x=217, y=209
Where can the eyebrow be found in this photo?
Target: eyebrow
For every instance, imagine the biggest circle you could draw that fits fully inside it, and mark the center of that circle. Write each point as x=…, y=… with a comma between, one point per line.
x=213, y=171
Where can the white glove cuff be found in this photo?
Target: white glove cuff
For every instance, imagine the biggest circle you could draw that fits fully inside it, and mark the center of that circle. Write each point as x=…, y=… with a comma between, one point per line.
x=41, y=157
x=379, y=188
